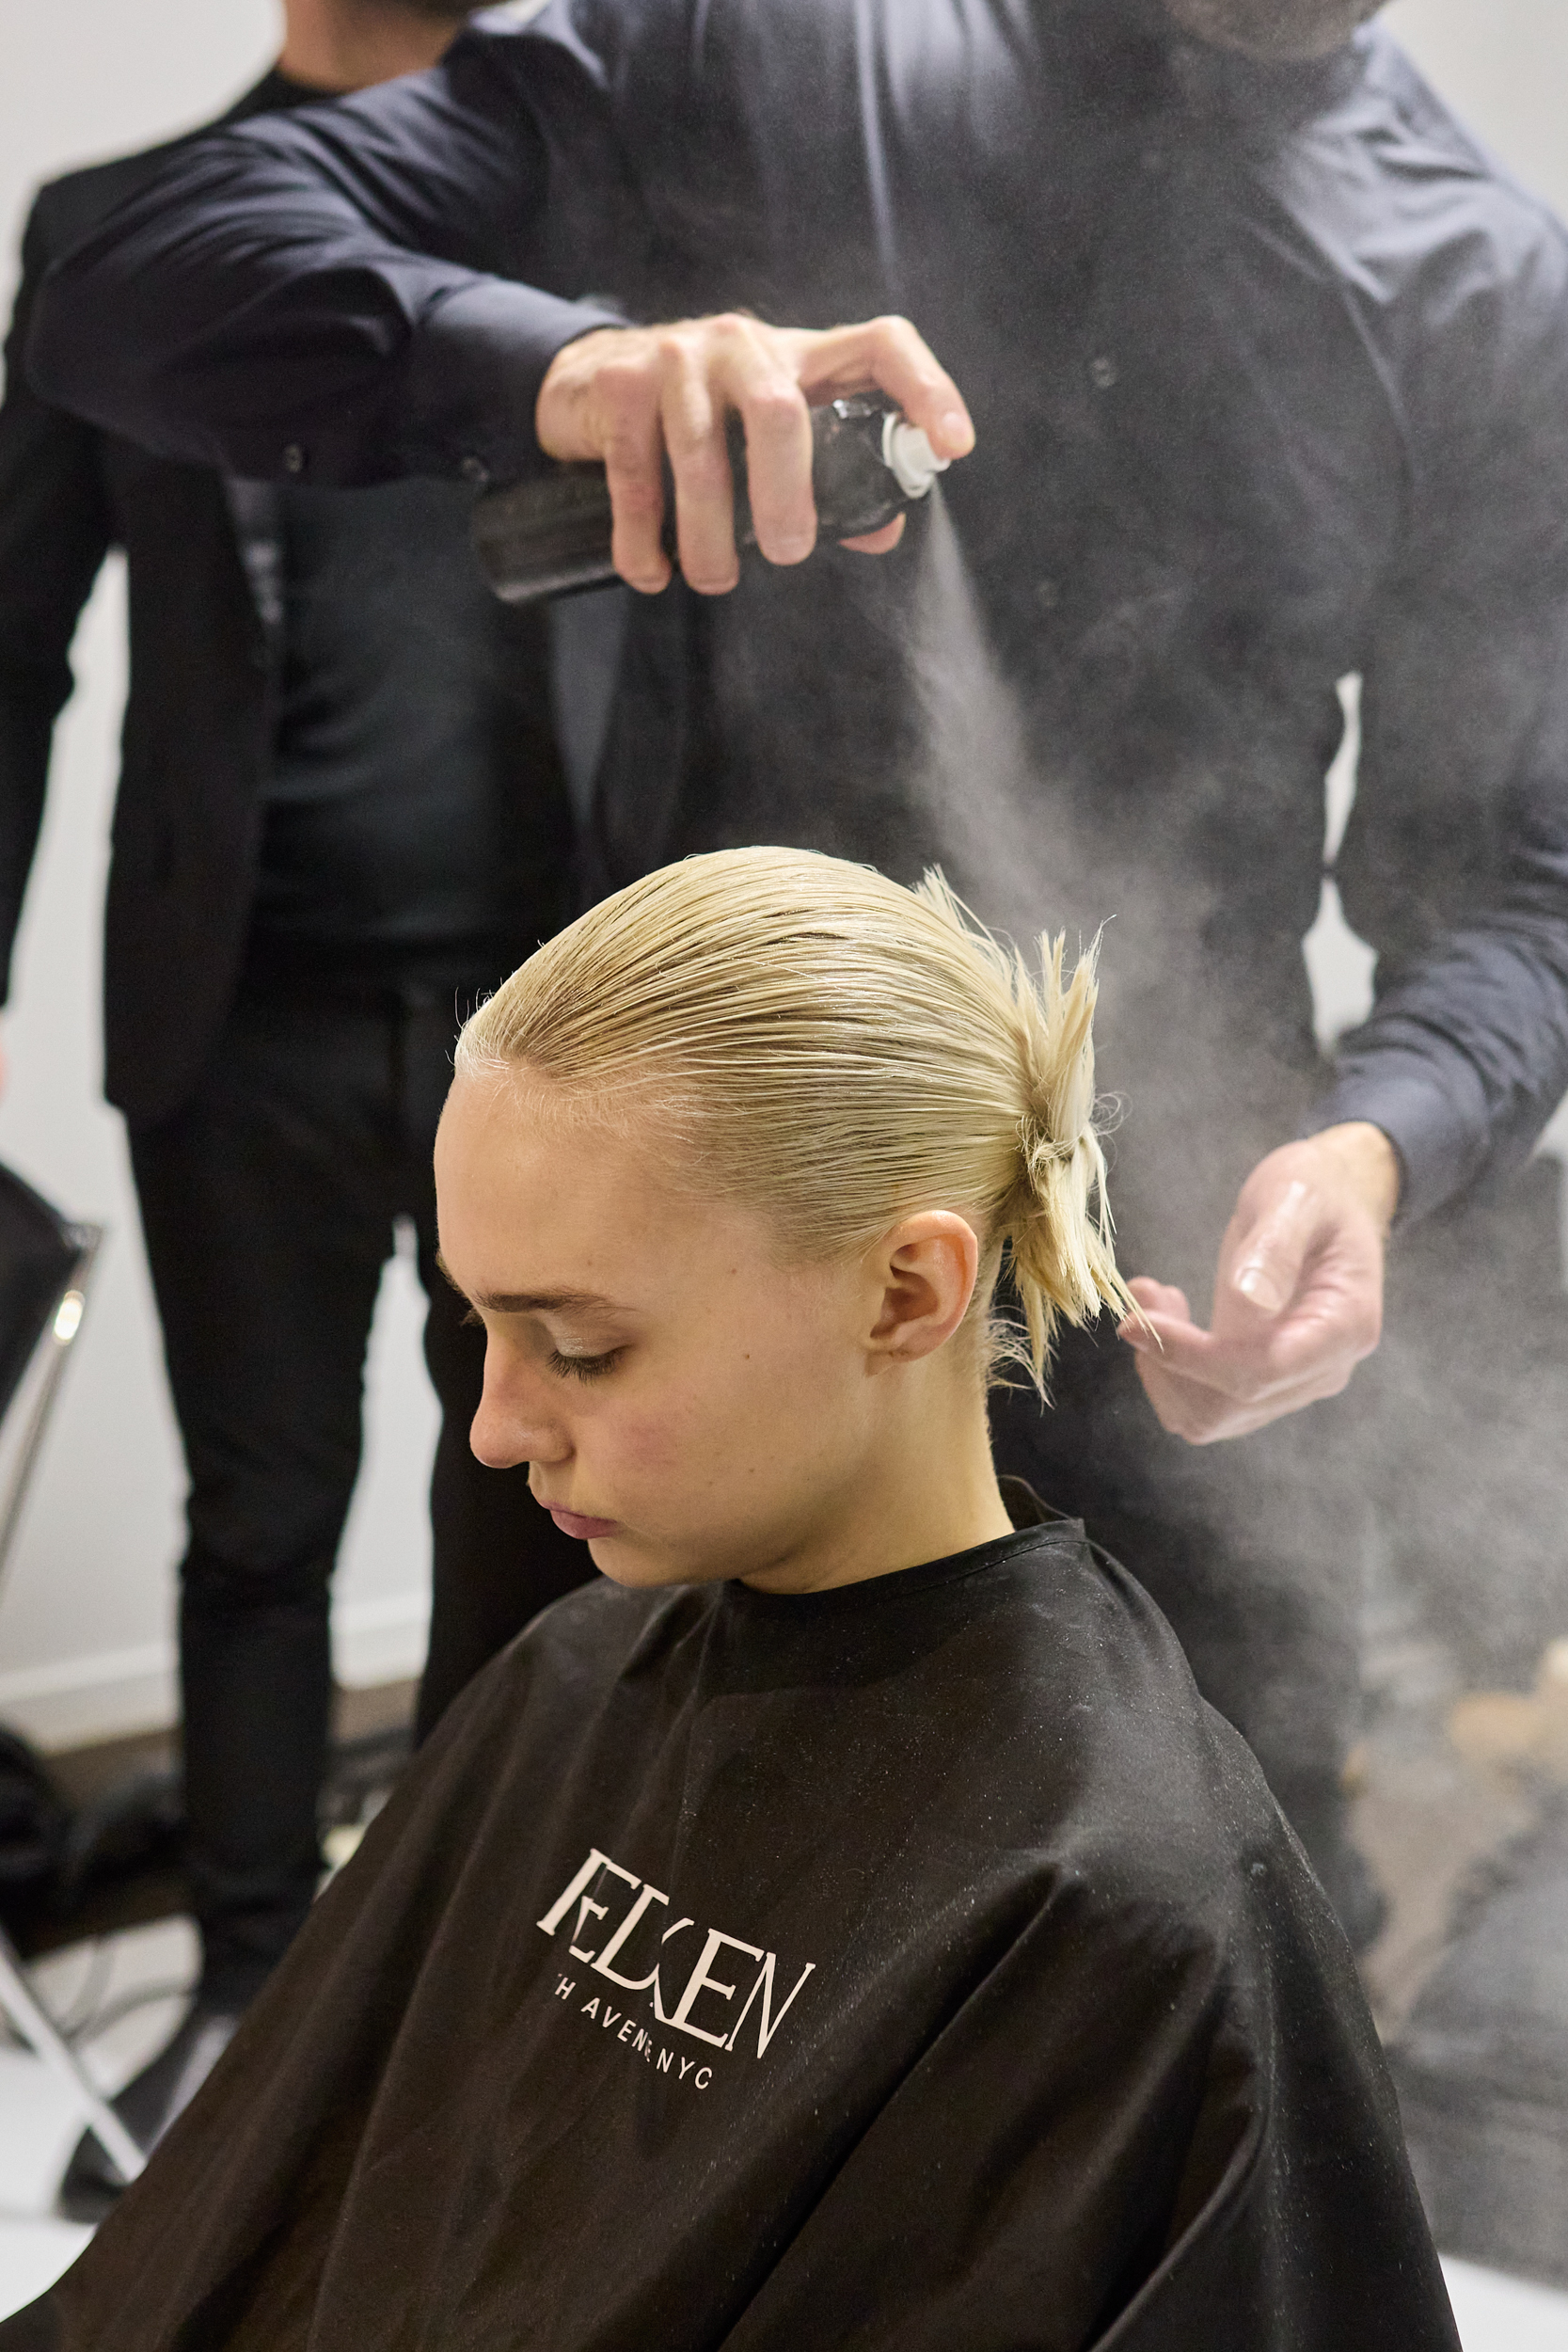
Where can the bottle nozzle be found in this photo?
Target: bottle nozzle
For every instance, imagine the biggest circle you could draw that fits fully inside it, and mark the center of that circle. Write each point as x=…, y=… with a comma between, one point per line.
x=910, y=457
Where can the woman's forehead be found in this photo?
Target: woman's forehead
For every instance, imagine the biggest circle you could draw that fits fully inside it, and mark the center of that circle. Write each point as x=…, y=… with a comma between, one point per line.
x=538, y=1204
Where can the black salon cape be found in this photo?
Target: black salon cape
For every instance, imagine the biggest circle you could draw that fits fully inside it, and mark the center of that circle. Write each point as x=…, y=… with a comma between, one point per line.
x=918, y=1964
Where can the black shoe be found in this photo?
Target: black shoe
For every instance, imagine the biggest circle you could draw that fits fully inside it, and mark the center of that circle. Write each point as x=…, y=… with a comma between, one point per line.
x=147, y=2106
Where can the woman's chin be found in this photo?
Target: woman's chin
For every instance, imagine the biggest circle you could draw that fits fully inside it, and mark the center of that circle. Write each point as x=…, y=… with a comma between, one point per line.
x=625, y=1558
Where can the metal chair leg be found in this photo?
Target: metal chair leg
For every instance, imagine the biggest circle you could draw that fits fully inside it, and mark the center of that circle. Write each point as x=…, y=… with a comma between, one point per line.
x=45, y=2037
x=65, y=1323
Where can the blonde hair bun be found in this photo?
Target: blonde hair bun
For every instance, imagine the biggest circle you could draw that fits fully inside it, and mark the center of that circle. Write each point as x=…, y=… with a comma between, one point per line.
x=837, y=1051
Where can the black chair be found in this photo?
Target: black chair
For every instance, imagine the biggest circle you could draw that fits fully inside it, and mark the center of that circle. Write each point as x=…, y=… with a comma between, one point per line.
x=46, y=1264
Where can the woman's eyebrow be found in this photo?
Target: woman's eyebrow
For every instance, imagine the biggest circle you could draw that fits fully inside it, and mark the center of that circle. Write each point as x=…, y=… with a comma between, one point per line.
x=538, y=1302
x=526, y=1302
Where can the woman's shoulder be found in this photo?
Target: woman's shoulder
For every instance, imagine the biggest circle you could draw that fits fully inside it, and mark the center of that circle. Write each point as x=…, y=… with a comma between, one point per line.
x=1095, y=1748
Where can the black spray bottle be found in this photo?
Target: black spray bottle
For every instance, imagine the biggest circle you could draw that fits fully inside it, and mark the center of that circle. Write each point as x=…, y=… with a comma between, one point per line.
x=547, y=537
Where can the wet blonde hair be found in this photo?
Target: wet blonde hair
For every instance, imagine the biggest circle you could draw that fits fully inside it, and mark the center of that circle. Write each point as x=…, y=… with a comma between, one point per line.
x=838, y=1051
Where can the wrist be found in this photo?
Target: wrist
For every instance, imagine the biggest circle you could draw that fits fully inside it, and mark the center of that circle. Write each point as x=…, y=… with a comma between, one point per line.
x=1369, y=1163
x=559, y=419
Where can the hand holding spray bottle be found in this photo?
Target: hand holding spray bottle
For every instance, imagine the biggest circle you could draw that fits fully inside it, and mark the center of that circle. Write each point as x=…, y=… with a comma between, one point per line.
x=552, y=536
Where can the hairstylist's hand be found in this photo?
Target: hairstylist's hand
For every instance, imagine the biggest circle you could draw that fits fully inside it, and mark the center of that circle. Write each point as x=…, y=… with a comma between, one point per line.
x=627, y=396
x=1298, y=1294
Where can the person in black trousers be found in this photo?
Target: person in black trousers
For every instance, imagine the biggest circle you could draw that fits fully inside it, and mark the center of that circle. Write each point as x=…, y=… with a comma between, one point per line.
x=342, y=819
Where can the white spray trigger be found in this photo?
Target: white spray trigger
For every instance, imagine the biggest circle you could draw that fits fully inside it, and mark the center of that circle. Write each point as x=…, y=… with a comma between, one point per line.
x=910, y=457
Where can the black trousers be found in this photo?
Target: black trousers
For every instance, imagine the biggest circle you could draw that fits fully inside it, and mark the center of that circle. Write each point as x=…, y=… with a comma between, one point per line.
x=268, y=1204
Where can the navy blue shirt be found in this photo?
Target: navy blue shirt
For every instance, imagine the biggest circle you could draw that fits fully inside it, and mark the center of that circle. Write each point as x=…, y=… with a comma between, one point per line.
x=1270, y=372
x=408, y=828
x=413, y=829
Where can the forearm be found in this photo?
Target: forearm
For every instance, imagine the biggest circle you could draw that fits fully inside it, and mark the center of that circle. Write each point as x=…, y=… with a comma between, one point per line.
x=1454, y=860
x=338, y=293
x=1465, y=1058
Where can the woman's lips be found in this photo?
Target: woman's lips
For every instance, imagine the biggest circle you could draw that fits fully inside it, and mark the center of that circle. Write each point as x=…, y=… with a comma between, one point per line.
x=573, y=1523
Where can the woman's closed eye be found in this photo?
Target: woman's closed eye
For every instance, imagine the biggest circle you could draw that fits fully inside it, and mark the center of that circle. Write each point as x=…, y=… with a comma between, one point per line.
x=583, y=1367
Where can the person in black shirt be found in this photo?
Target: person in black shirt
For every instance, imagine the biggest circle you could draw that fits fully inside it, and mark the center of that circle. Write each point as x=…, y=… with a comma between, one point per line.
x=342, y=818
x=844, y=1923
x=1262, y=372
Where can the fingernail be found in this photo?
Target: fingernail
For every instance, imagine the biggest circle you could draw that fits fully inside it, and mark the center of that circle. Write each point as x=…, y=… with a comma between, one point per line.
x=1261, y=1287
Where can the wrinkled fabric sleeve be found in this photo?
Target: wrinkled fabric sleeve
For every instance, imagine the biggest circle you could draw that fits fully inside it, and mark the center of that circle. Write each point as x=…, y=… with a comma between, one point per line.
x=1454, y=865
x=354, y=292
x=55, y=531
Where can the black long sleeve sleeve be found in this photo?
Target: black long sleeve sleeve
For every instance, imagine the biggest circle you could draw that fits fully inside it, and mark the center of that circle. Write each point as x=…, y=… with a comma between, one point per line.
x=355, y=291
x=55, y=530
x=1465, y=1056
x=1455, y=861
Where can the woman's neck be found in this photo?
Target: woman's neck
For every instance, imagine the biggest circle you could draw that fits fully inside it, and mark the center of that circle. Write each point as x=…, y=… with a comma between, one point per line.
x=339, y=45
x=928, y=1492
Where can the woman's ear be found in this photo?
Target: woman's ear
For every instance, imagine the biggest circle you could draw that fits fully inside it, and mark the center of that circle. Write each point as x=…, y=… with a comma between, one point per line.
x=925, y=1272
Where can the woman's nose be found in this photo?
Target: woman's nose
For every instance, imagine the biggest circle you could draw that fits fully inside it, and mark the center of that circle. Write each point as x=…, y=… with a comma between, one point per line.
x=514, y=1422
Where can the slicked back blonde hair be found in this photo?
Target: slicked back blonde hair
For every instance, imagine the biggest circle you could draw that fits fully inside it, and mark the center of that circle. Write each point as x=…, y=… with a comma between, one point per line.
x=837, y=1052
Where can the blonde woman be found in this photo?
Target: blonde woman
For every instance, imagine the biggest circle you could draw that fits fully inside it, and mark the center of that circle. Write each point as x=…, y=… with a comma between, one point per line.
x=843, y=1924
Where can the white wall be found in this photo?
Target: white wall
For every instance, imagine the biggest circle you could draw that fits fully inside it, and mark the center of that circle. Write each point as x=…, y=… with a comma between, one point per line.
x=86, y=1607
x=1503, y=65
x=85, y=1613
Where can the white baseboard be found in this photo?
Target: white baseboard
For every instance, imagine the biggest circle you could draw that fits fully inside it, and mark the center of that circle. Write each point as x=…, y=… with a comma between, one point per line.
x=105, y=1695
x=380, y=1641
x=113, y=1694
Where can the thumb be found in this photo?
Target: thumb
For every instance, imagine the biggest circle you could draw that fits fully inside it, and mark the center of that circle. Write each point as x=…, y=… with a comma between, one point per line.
x=1267, y=1268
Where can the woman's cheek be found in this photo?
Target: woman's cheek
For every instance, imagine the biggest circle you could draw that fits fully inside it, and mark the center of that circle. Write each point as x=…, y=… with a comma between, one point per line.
x=677, y=1426
x=654, y=1441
